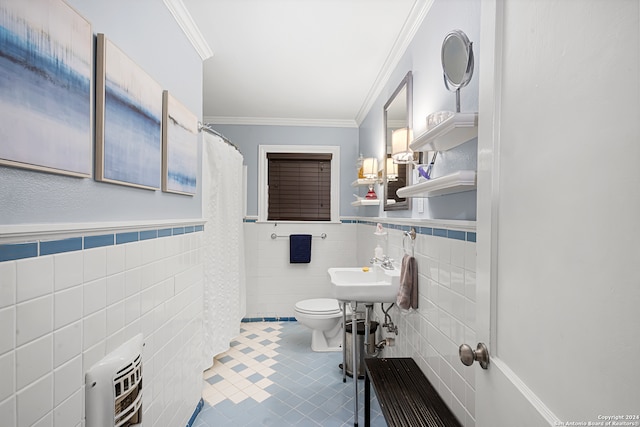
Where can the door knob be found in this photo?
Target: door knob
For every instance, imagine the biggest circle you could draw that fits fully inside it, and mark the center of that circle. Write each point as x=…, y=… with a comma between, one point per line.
x=469, y=355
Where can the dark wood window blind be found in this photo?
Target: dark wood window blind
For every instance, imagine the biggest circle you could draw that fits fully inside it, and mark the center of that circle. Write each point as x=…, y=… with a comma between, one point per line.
x=299, y=186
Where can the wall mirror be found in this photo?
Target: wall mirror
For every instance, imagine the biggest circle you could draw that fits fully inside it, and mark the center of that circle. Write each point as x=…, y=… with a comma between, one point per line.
x=398, y=125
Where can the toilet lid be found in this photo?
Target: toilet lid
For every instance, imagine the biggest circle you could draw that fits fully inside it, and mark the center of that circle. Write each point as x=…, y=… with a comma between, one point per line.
x=319, y=305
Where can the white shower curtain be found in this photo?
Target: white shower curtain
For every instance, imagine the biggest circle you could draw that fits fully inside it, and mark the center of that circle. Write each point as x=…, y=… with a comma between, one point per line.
x=224, y=300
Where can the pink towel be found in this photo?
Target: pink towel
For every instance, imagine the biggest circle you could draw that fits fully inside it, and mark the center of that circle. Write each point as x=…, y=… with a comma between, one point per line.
x=408, y=292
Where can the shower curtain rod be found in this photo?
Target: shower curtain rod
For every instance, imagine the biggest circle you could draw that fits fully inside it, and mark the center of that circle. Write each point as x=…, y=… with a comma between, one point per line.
x=207, y=128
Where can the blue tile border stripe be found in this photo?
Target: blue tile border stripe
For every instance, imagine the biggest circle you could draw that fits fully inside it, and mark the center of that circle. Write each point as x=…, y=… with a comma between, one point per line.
x=91, y=242
x=440, y=232
x=426, y=230
x=165, y=232
x=21, y=250
x=15, y=251
x=269, y=319
x=127, y=237
x=58, y=246
x=148, y=234
x=455, y=234
x=468, y=236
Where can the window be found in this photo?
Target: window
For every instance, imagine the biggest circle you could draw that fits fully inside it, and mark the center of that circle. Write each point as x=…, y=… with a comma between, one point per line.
x=298, y=183
x=299, y=187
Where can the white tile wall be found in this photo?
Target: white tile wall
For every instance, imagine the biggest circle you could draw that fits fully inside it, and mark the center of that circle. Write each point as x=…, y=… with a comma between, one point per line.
x=67, y=306
x=445, y=317
x=34, y=318
x=7, y=329
x=273, y=284
x=34, y=277
x=33, y=361
x=62, y=313
x=35, y=401
x=7, y=284
x=7, y=373
x=68, y=270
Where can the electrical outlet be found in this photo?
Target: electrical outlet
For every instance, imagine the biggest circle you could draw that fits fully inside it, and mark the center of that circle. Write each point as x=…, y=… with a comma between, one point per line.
x=420, y=204
x=390, y=341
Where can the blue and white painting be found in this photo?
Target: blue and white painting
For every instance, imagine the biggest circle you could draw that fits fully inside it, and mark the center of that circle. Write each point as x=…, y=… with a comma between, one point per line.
x=180, y=147
x=45, y=87
x=130, y=149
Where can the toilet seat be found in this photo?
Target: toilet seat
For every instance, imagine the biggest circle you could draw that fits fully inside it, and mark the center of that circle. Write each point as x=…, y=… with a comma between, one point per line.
x=319, y=306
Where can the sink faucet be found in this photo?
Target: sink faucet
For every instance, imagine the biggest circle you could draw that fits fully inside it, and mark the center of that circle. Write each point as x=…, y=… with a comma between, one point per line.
x=386, y=262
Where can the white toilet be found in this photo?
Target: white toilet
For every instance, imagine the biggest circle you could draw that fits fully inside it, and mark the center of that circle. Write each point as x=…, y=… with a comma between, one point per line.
x=324, y=317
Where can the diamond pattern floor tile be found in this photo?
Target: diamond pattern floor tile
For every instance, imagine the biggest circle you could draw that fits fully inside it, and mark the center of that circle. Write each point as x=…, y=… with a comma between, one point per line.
x=270, y=377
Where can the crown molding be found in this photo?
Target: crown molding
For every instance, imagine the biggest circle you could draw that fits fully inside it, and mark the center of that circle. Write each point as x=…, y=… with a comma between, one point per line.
x=412, y=23
x=275, y=121
x=189, y=27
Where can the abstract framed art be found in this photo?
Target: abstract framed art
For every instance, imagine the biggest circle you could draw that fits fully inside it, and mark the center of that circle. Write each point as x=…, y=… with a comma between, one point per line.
x=46, y=69
x=128, y=120
x=179, y=147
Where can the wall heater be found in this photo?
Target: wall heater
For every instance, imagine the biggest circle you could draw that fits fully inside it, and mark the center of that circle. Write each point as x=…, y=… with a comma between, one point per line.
x=113, y=387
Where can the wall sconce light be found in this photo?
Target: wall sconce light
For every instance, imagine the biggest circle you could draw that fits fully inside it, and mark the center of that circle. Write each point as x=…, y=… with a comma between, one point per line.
x=392, y=170
x=370, y=171
x=400, y=140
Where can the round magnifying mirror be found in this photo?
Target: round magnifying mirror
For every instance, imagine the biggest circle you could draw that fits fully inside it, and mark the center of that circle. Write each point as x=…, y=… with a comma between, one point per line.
x=457, y=60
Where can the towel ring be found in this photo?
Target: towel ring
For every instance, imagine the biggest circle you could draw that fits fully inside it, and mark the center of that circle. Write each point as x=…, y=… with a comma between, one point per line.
x=412, y=235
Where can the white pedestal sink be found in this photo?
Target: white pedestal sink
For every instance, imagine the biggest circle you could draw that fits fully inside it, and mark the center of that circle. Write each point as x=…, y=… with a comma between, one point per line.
x=365, y=284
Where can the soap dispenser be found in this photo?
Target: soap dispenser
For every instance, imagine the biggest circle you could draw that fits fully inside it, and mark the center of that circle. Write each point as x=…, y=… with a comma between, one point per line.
x=379, y=252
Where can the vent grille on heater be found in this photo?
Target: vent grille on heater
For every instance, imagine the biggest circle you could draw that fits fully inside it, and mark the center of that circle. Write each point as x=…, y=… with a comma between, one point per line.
x=127, y=387
x=114, y=388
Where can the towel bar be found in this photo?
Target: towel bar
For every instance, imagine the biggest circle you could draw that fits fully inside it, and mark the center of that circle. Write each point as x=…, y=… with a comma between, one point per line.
x=322, y=236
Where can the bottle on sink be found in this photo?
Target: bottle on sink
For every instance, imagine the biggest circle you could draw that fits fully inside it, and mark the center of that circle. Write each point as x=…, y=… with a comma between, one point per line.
x=379, y=253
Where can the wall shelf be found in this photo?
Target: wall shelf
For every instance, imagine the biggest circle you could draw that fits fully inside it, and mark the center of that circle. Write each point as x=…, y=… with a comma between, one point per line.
x=451, y=132
x=457, y=182
x=364, y=181
x=366, y=202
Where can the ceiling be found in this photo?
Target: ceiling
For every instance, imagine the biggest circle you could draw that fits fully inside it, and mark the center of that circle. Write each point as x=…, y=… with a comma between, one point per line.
x=296, y=62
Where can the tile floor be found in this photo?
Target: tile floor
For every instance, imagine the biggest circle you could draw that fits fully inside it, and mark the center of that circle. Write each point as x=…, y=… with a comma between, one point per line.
x=270, y=377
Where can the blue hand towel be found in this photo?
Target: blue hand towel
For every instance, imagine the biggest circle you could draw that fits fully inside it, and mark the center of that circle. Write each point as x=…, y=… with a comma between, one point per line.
x=299, y=248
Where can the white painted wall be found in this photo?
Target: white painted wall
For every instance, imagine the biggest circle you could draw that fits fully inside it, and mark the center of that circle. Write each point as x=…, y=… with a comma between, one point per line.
x=248, y=138
x=150, y=36
x=422, y=58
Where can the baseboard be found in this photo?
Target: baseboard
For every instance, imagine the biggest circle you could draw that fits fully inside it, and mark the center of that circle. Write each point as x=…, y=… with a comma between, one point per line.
x=195, y=413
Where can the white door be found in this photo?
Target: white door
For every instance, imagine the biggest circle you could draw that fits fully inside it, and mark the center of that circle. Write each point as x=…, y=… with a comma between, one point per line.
x=558, y=273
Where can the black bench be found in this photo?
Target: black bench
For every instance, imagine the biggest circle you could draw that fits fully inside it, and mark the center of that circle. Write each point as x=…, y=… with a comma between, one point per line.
x=406, y=396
